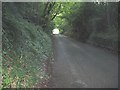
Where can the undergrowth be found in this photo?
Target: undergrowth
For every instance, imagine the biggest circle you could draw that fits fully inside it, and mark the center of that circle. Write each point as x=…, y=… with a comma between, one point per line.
x=25, y=49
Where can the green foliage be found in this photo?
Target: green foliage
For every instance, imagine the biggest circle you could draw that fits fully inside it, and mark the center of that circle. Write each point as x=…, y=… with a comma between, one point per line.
x=89, y=20
x=27, y=28
x=25, y=48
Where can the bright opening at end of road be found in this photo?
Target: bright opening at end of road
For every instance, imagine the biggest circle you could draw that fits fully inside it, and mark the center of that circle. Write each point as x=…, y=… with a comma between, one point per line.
x=56, y=31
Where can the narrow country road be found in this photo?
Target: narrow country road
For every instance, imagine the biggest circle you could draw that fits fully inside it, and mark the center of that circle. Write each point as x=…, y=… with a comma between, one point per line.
x=79, y=65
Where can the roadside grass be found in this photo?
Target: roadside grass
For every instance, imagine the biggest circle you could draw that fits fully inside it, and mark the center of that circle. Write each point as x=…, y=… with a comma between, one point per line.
x=25, y=49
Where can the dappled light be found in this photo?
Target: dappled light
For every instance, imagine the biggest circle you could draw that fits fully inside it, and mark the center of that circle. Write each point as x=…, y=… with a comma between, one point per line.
x=60, y=45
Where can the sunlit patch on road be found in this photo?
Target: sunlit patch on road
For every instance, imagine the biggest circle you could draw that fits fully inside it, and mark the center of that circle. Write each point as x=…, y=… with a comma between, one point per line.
x=56, y=31
x=78, y=84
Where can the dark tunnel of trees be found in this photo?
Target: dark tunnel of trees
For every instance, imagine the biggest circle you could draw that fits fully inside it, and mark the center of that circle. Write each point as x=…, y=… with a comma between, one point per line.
x=27, y=31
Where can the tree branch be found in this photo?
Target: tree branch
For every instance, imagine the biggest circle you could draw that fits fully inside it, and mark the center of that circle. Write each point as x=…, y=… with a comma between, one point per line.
x=57, y=12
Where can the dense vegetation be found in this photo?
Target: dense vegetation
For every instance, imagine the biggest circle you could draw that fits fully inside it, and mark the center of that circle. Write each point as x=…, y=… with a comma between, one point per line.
x=27, y=45
x=27, y=31
x=91, y=22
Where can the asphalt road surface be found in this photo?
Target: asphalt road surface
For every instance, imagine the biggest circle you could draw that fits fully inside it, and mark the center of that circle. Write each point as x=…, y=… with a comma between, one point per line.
x=79, y=65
